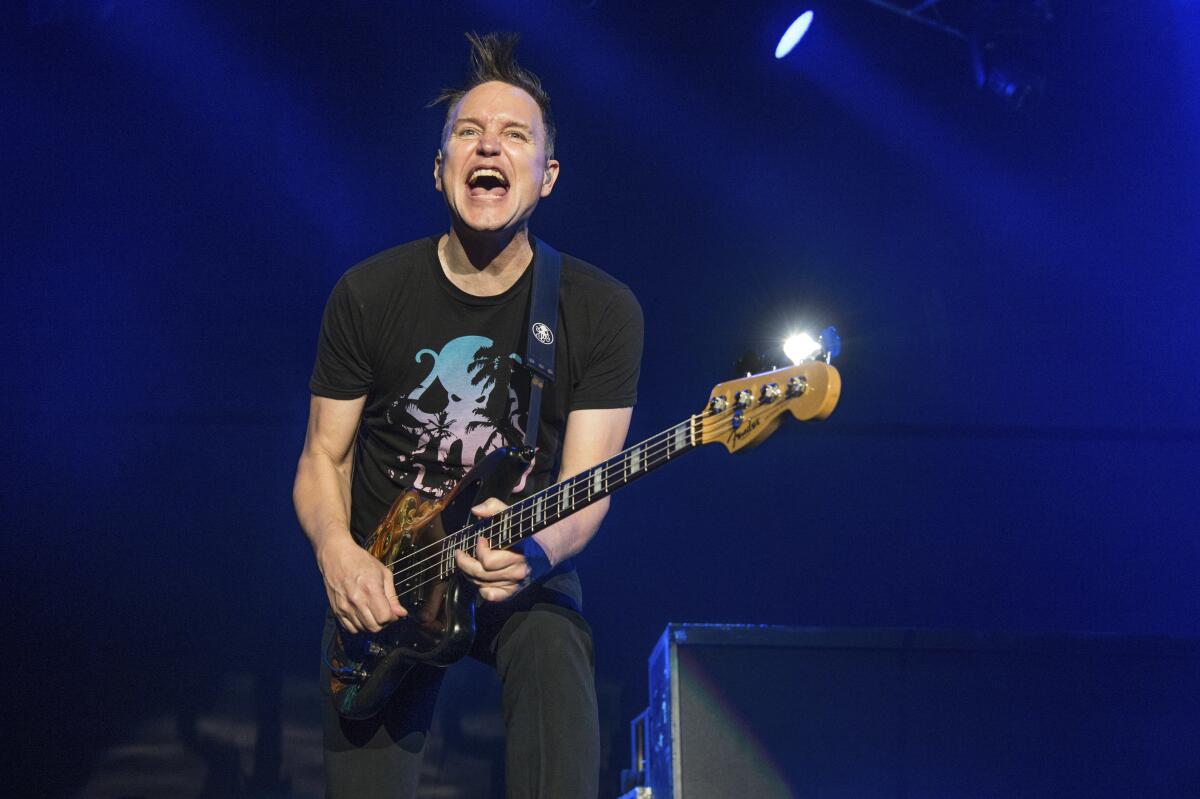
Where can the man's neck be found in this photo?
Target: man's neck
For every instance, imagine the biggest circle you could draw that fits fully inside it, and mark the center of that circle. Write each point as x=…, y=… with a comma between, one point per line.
x=484, y=265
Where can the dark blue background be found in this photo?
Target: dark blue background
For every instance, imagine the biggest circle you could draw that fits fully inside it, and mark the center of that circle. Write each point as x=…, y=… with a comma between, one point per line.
x=1017, y=443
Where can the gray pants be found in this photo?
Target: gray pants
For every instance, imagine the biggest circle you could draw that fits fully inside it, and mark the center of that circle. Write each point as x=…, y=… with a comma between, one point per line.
x=542, y=650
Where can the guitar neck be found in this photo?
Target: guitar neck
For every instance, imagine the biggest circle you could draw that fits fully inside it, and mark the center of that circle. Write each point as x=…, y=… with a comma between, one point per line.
x=555, y=503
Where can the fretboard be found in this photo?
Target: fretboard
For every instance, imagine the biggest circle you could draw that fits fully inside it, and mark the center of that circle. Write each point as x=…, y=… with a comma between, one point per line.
x=555, y=503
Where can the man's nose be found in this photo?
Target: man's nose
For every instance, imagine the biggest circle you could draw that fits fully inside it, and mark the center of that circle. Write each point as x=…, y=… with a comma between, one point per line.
x=489, y=143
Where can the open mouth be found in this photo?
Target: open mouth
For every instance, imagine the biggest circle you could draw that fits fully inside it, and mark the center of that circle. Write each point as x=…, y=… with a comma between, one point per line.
x=487, y=181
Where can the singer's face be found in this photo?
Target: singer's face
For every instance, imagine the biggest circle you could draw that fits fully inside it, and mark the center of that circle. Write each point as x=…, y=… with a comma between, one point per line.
x=493, y=168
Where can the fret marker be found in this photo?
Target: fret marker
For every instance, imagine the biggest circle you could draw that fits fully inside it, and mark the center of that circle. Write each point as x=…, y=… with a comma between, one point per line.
x=635, y=460
x=539, y=509
x=680, y=439
x=598, y=482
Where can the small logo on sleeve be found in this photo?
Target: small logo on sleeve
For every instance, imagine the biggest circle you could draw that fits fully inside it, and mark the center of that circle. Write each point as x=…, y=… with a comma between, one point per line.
x=542, y=333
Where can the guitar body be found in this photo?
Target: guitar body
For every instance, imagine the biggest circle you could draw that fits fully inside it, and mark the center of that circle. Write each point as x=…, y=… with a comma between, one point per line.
x=366, y=668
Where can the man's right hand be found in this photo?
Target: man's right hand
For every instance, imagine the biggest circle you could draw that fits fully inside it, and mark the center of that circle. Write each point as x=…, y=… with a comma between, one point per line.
x=360, y=588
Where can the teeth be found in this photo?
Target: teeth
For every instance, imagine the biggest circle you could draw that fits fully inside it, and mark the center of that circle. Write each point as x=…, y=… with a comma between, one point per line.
x=486, y=172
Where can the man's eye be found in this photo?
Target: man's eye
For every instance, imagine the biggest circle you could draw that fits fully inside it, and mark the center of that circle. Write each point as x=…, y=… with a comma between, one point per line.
x=467, y=132
x=518, y=135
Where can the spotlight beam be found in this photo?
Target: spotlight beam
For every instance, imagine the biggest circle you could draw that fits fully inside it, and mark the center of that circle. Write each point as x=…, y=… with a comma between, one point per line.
x=925, y=6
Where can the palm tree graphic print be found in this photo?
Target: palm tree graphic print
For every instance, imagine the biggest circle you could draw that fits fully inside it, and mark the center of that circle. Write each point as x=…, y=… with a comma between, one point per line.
x=465, y=407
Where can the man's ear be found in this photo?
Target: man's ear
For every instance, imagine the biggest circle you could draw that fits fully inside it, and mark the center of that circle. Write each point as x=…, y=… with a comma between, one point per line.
x=437, y=171
x=549, y=177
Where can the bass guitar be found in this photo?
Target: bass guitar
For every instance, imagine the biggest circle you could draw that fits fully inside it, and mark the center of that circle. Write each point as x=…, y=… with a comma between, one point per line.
x=418, y=536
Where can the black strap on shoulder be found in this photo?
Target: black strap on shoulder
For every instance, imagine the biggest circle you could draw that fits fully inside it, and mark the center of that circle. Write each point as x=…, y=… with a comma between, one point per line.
x=541, y=331
x=543, y=311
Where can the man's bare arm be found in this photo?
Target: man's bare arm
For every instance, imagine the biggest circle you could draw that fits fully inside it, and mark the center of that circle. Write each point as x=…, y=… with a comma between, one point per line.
x=592, y=436
x=360, y=588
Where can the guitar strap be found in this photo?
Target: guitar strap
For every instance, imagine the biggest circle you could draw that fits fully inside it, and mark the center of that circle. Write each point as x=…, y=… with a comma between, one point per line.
x=539, y=359
x=541, y=331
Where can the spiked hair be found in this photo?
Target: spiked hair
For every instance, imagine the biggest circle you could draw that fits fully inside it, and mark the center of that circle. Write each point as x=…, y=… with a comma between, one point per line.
x=493, y=59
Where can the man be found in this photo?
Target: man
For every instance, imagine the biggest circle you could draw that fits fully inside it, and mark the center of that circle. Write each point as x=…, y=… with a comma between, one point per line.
x=416, y=379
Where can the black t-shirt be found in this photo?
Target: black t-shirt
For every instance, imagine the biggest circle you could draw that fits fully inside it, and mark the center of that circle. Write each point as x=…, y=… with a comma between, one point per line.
x=439, y=368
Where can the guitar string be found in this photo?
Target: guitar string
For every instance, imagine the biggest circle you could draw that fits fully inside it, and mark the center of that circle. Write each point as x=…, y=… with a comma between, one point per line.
x=653, y=448
x=465, y=536
x=435, y=572
x=527, y=507
x=436, y=569
x=529, y=503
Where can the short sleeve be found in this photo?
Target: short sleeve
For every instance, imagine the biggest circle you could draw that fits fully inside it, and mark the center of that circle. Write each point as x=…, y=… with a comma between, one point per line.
x=343, y=368
x=610, y=375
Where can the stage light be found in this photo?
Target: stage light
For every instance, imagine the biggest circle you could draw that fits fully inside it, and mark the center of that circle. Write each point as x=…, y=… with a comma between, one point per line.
x=800, y=346
x=792, y=36
x=1005, y=77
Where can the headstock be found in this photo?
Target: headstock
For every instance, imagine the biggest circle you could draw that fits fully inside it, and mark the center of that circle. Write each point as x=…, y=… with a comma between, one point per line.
x=741, y=413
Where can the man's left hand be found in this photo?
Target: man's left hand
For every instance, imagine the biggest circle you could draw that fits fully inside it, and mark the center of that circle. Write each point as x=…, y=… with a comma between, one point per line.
x=501, y=573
